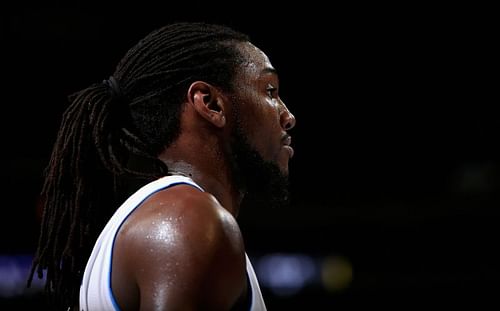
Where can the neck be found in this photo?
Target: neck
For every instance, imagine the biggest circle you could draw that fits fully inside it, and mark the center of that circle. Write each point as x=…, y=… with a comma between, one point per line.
x=214, y=178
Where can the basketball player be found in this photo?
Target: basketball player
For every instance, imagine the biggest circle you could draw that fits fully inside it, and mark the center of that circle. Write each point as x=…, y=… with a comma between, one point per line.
x=150, y=169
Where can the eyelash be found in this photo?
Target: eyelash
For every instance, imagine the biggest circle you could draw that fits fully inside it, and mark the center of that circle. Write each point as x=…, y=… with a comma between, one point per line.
x=270, y=91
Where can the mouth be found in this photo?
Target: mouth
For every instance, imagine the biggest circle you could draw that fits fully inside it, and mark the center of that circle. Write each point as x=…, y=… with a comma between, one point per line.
x=287, y=141
x=289, y=149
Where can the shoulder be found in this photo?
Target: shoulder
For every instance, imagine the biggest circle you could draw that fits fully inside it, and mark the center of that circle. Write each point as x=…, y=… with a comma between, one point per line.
x=187, y=209
x=182, y=216
x=183, y=240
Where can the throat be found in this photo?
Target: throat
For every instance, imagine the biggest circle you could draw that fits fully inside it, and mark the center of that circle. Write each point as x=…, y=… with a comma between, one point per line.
x=180, y=173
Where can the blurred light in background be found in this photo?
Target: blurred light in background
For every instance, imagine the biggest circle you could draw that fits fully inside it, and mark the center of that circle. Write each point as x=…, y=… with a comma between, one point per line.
x=336, y=273
x=14, y=272
x=287, y=274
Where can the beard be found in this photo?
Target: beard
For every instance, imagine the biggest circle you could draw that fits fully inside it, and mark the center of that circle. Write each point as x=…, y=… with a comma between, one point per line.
x=262, y=182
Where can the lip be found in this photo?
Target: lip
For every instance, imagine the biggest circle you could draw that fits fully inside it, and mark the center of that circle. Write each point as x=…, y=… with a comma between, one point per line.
x=287, y=141
x=289, y=149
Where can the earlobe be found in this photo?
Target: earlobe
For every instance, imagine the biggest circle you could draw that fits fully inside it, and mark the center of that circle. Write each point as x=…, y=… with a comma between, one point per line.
x=207, y=101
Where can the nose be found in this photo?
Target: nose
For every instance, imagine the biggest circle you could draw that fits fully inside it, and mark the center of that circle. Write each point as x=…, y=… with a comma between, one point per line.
x=287, y=119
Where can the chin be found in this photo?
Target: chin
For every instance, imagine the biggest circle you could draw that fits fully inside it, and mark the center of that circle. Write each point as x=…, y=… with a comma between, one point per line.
x=283, y=165
x=265, y=181
x=284, y=170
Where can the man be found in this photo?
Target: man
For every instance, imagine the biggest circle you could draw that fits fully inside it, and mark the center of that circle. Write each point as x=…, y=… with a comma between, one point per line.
x=192, y=115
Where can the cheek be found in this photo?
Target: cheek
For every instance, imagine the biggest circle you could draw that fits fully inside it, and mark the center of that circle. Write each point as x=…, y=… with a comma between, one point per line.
x=266, y=137
x=261, y=123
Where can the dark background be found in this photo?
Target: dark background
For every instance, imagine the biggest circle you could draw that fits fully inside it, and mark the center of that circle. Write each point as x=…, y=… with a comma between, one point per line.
x=396, y=169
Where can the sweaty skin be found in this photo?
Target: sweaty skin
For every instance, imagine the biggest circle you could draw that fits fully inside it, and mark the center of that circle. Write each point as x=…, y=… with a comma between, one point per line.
x=183, y=250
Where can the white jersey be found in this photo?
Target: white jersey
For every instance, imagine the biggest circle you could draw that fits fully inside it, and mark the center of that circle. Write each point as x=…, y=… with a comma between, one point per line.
x=95, y=290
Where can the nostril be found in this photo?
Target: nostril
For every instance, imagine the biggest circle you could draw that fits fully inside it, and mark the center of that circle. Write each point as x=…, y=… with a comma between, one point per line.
x=288, y=120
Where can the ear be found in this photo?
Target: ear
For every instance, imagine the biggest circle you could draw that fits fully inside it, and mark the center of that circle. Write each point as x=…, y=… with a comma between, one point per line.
x=208, y=102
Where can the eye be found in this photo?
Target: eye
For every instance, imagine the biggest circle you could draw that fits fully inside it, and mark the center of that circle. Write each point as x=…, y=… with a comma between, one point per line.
x=271, y=91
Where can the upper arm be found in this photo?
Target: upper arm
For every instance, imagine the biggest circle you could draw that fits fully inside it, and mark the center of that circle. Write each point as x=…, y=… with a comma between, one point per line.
x=184, y=252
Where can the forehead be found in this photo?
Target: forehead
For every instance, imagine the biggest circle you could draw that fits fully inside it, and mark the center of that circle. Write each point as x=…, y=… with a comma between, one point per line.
x=255, y=61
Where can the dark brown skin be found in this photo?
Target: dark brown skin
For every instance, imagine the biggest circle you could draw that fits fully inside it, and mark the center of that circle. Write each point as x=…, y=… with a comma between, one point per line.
x=183, y=249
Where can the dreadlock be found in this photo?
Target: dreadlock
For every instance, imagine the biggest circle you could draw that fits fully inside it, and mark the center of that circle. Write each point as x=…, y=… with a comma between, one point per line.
x=134, y=114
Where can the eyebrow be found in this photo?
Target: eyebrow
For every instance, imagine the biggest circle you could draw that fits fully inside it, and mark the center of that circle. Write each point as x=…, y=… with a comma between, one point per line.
x=269, y=70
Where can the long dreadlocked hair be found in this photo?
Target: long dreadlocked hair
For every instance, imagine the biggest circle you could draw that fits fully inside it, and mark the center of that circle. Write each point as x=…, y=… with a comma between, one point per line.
x=134, y=114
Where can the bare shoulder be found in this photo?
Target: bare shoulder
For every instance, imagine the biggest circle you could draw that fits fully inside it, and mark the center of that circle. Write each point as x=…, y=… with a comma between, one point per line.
x=183, y=242
x=187, y=212
x=182, y=221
